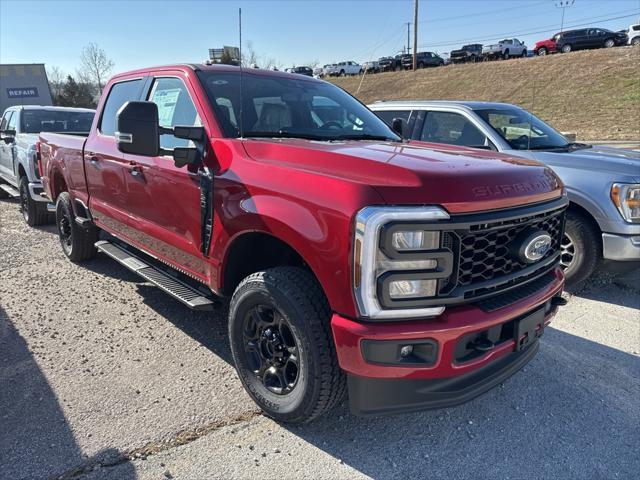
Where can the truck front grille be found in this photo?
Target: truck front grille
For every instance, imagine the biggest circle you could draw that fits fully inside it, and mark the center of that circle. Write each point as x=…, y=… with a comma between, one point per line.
x=483, y=247
x=484, y=250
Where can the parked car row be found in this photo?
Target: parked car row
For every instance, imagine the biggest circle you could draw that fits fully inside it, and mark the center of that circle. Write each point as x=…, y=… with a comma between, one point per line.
x=586, y=38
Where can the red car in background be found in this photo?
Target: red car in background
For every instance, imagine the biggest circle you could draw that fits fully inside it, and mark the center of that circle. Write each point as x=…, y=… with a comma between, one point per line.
x=546, y=46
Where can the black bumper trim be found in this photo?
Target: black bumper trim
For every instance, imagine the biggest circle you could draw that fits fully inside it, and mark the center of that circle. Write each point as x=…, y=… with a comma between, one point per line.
x=378, y=396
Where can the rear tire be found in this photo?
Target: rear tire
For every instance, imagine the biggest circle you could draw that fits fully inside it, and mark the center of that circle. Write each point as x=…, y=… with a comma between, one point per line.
x=78, y=243
x=34, y=213
x=3, y=194
x=282, y=346
x=581, y=250
x=635, y=41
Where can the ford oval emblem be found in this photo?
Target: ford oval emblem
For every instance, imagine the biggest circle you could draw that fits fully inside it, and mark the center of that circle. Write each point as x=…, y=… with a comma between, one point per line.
x=531, y=246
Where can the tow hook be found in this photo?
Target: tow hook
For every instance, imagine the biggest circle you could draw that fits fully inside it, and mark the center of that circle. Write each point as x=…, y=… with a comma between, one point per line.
x=482, y=345
x=558, y=302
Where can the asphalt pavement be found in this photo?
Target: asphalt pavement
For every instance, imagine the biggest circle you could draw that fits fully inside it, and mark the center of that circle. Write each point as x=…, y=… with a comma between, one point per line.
x=104, y=376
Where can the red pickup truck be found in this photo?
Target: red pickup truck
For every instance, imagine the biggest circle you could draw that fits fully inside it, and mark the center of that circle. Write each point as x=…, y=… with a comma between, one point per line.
x=413, y=275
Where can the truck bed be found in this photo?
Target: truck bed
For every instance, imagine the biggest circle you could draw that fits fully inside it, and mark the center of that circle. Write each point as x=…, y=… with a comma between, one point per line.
x=61, y=152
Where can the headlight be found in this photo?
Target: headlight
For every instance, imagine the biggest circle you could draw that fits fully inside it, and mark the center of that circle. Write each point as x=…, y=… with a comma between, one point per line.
x=626, y=197
x=398, y=261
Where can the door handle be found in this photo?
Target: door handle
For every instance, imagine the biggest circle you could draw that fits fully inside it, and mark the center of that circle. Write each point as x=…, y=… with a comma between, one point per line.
x=135, y=170
x=91, y=157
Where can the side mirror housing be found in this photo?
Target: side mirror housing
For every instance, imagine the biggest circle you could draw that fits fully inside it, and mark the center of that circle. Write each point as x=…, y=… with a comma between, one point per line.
x=397, y=125
x=138, y=132
x=8, y=136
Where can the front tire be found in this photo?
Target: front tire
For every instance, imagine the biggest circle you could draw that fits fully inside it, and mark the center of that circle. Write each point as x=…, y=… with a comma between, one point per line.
x=78, y=243
x=282, y=346
x=505, y=55
x=34, y=213
x=542, y=51
x=581, y=250
x=609, y=43
x=566, y=48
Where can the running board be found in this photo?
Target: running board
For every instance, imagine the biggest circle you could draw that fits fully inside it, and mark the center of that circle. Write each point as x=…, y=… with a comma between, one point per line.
x=179, y=290
x=9, y=189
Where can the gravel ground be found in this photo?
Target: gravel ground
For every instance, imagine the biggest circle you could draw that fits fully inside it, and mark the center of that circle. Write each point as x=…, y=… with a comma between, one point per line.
x=102, y=376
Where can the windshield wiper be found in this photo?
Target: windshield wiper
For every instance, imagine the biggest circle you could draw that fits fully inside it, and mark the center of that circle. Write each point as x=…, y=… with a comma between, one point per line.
x=281, y=134
x=365, y=136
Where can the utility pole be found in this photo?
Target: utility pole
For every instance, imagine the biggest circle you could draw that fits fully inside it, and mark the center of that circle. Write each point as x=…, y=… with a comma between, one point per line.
x=415, y=36
x=564, y=4
x=408, y=49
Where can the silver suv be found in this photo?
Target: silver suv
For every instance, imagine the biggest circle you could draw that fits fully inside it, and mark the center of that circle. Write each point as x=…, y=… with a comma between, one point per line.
x=603, y=184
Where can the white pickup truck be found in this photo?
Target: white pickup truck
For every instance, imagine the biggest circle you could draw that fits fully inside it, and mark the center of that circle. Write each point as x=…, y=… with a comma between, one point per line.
x=505, y=49
x=344, y=68
x=19, y=129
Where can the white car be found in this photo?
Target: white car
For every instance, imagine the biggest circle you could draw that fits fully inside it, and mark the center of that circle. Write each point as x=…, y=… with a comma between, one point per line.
x=342, y=69
x=634, y=34
x=507, y=48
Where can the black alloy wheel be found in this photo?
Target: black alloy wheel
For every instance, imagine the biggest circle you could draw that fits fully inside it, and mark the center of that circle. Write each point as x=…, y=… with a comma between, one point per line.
x=271, y=350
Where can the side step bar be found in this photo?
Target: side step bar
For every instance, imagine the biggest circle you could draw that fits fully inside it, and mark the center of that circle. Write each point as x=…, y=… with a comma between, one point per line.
x=9, y=189
x=179, y=290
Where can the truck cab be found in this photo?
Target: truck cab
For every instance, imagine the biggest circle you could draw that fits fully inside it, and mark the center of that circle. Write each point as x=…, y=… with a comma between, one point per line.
x=409, y=275
x=19, y=174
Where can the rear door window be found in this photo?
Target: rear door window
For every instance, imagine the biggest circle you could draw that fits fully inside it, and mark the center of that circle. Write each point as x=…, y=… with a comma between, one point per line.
x=120, y=93
x=451, y=128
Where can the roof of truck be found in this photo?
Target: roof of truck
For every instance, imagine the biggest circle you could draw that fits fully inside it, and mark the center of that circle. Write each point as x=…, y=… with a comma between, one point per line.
x=441, y=103
x=215, y=67
x=49, y=107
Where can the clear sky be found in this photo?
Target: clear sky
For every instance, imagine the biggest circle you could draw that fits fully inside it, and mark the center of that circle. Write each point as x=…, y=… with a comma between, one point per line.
x=136, y=33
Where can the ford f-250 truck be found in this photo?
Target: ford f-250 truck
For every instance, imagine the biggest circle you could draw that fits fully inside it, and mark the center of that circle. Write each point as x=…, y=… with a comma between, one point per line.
x=413, y=275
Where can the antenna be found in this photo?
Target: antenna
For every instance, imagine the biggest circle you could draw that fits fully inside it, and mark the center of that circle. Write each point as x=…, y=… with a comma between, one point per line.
x=241, y=126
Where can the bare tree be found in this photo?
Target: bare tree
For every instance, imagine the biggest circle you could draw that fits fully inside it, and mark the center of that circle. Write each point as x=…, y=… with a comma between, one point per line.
x=56, y=80
x=249, y=55
x=95, y=66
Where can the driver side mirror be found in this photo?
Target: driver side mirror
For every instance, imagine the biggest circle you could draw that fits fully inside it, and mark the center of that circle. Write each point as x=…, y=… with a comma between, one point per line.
x=397, y=125
x=8, y=136
x=138, y=129
x=138, y=133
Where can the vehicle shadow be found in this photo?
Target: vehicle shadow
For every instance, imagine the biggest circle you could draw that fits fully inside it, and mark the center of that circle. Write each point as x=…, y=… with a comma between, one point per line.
x=36, y=440
x=563, y=416
x=626, y=293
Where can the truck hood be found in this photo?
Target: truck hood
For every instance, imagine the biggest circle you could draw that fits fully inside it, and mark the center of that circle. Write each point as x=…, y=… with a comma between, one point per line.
x=461, y=179
x=607, y=160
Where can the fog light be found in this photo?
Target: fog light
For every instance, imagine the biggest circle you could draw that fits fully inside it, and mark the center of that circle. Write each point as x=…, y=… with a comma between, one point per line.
x=399, y=289
x=406, y=351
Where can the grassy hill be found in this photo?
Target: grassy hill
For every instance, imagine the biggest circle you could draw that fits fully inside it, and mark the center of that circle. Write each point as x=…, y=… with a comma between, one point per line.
x=595, y=93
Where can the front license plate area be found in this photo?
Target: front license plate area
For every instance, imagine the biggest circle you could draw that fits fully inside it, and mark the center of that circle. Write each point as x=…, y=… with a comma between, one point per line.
x=529, y=329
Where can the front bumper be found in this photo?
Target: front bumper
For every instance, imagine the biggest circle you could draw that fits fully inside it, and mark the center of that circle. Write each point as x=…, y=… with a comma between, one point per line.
x=35, y=191
x=376, y=388
x=623, y=248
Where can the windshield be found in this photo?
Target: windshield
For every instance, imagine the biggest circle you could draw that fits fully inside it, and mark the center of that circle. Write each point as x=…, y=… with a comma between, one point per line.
x=277, y=106
x=36, y=121
x=516, y=125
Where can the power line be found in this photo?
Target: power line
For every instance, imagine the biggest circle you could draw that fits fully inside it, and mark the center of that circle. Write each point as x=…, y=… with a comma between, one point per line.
x=488, y=12
x=507, y=34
